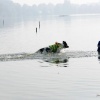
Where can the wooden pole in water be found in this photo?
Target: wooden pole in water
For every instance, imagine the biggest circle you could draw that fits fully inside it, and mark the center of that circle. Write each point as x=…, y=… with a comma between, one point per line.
x=39, y=24
x=36, y=29
x=3, y=21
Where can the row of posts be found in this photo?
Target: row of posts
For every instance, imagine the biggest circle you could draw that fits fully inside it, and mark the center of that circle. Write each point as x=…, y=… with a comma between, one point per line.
x=36, y=27
x=39, y=27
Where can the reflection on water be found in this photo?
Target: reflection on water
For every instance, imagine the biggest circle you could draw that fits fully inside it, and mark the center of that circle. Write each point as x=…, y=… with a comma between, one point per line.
x=58, y=62
x=45, y=63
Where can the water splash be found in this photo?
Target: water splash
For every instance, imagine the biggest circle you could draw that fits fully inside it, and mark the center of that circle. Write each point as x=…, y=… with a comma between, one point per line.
x=53, y=58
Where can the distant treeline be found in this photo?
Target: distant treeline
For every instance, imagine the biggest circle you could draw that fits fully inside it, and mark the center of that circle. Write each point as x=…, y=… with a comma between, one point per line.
x=10, y=9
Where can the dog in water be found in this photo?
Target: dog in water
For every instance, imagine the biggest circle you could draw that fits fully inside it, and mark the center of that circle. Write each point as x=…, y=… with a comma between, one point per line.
x=55, y=48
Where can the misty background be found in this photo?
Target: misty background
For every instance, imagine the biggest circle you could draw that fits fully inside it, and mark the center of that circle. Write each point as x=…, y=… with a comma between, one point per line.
x=10, y=9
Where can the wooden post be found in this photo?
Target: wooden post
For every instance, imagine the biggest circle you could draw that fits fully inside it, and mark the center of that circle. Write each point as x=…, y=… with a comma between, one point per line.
x=39, y=24
x=36, y=29
x=3, y=22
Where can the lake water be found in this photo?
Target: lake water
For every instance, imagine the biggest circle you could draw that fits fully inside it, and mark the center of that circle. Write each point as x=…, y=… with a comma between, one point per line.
x=25, y=75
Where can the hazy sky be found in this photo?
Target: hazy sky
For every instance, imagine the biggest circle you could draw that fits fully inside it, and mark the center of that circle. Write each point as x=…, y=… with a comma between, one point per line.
x=31, y=2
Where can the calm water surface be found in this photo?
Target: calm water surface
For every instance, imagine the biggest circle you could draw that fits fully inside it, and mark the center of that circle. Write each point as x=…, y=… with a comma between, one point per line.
x=25, y=76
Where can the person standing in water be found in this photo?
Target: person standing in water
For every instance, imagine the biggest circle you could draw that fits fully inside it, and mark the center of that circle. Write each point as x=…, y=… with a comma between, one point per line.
x=98, y=45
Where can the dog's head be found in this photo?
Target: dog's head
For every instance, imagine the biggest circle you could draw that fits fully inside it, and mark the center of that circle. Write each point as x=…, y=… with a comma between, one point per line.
x=65, y=45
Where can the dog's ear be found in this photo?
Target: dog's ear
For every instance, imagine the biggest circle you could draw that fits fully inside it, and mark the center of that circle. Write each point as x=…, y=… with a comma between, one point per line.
x=65, y=44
